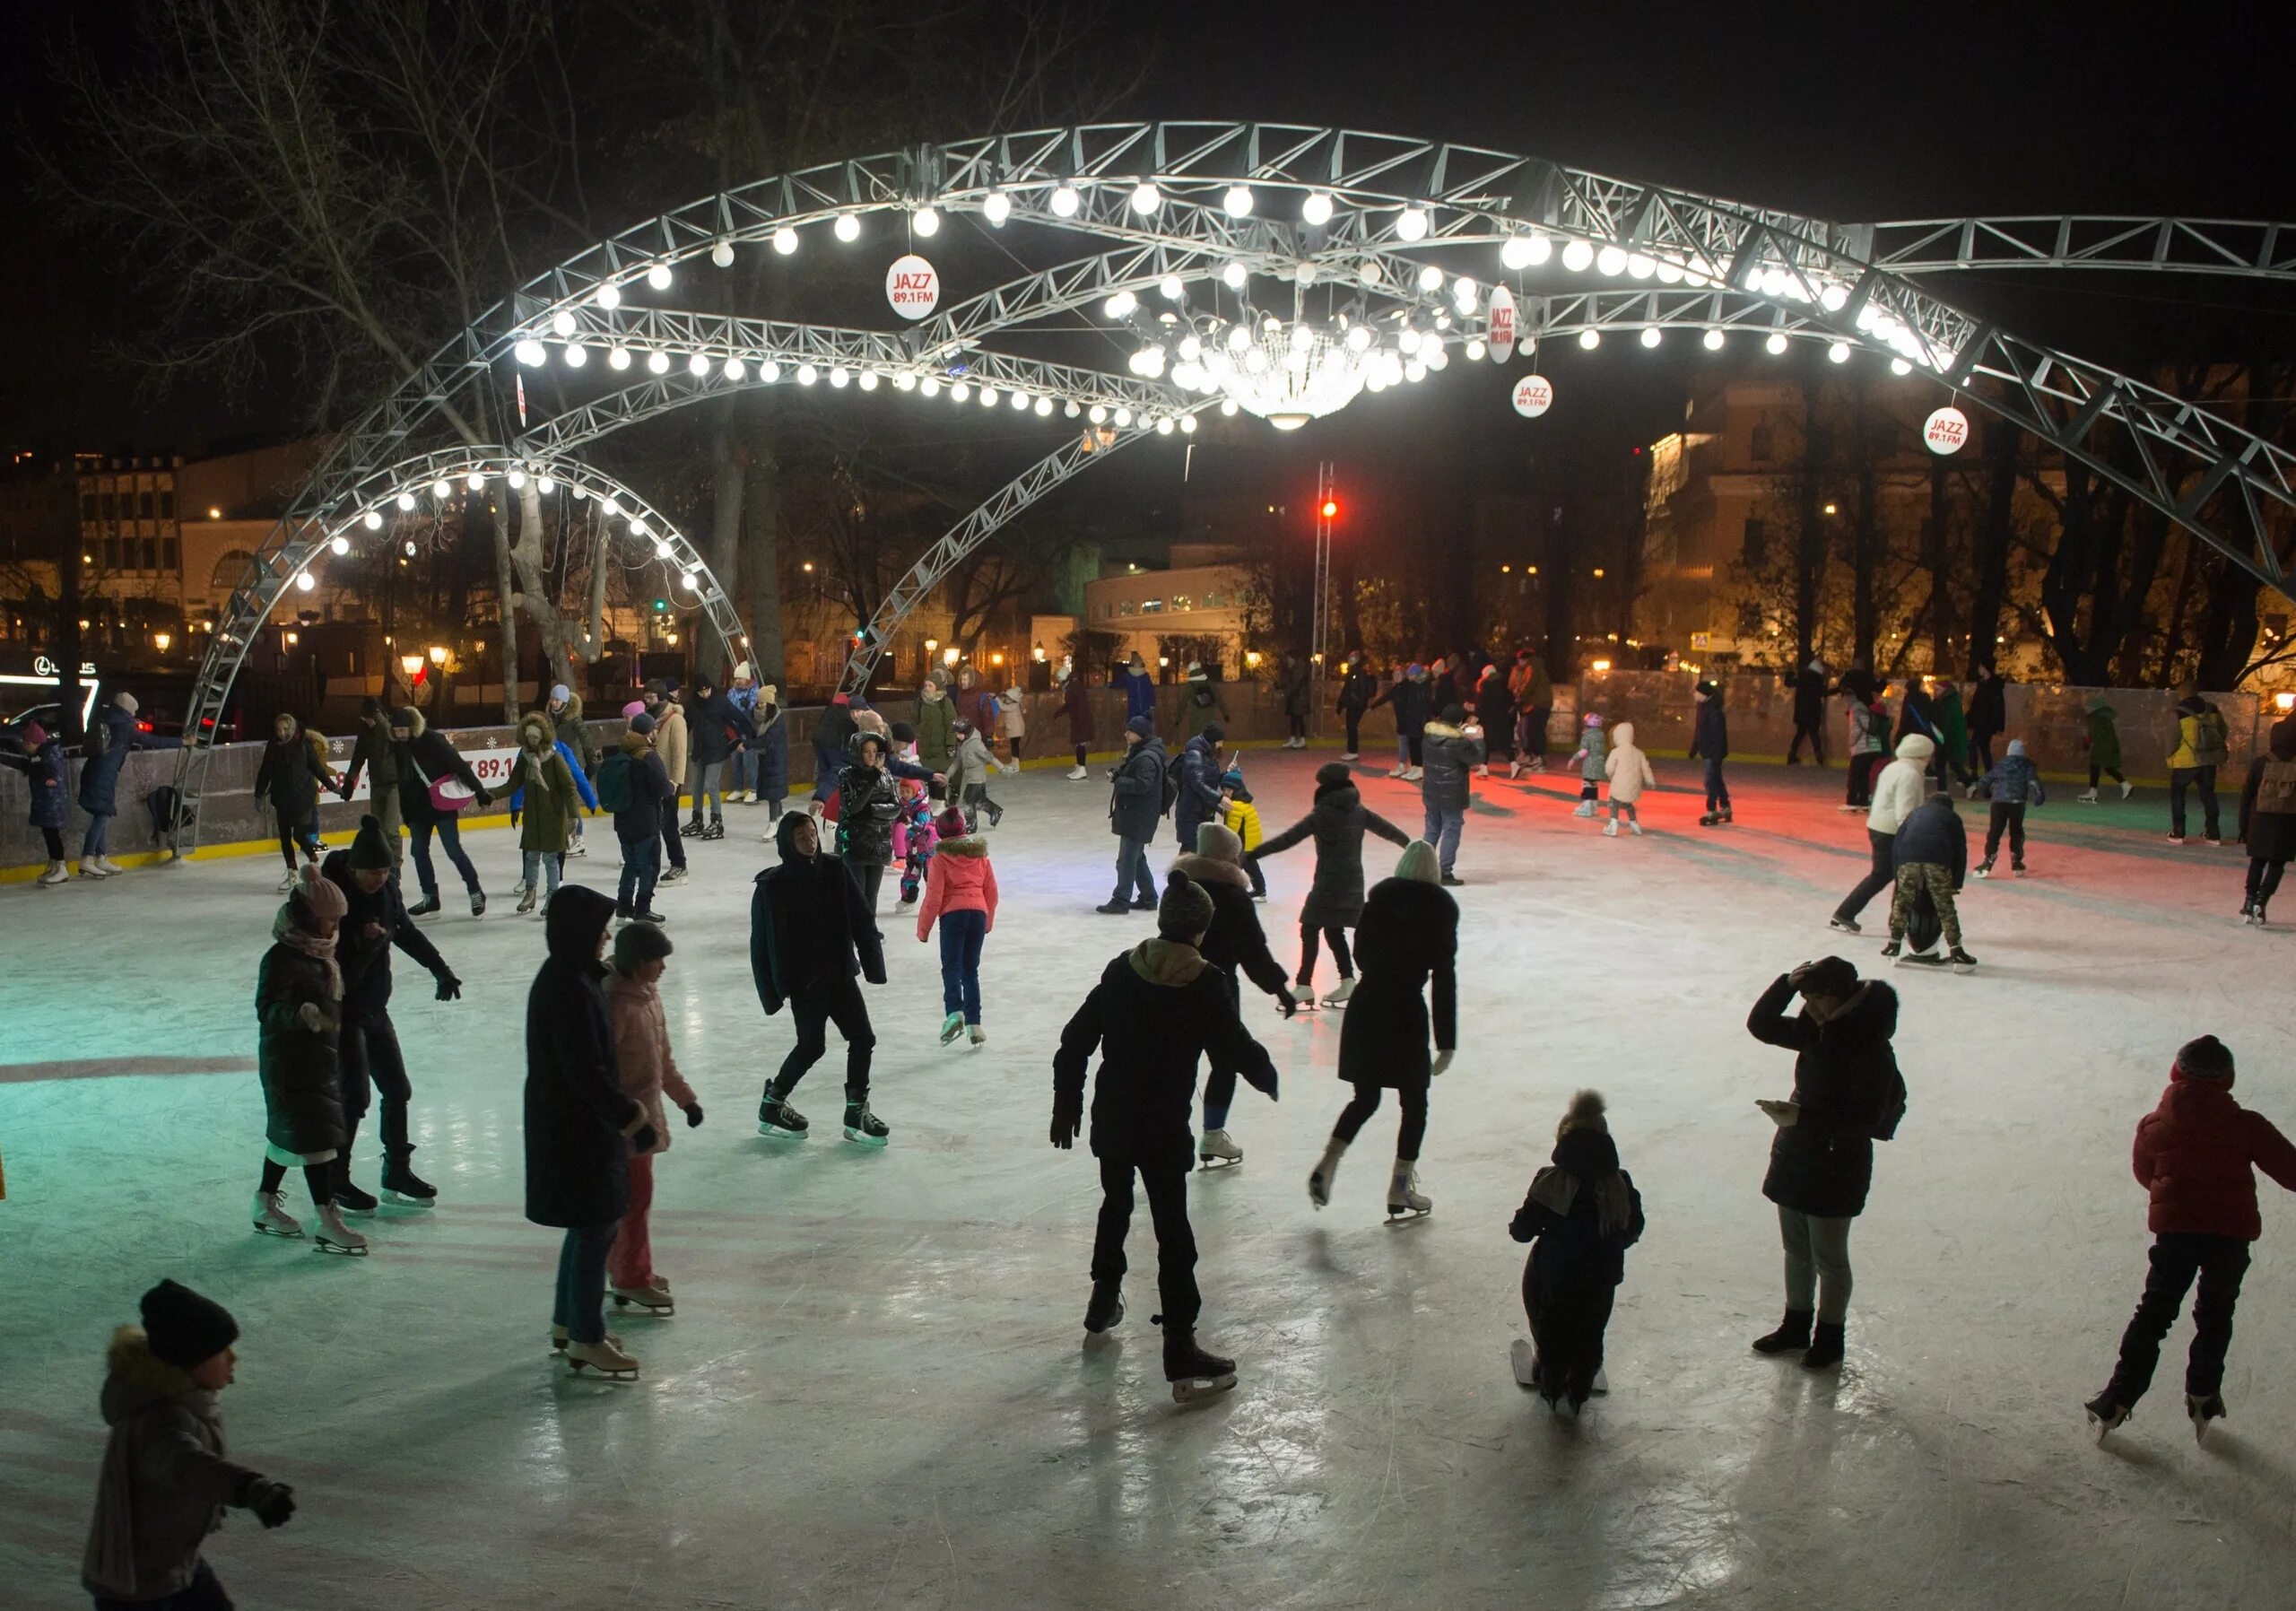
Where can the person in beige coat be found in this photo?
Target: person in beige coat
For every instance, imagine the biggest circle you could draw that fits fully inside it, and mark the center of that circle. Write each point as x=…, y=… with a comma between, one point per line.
x=670, y=744
x=641, y=1051
x=1629, y=771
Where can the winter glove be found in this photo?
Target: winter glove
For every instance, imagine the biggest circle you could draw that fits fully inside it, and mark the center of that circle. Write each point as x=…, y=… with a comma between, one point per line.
x=645, y=1138
x=1067, y=1120
x=451, y=988
x=1442, y=1062
x=693, y=1115
x=272, y=1502
x=314, y=1016
x=514, y=819
x=485, y=798
x=1288, y=1004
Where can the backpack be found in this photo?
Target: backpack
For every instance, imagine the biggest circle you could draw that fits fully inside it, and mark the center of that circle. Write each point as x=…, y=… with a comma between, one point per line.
x=2276, y=787
x=2211, y=740
x=612, y=783
x=1171, y=789
x=1885, y=1128
x=1923, y=927
x=97, y=739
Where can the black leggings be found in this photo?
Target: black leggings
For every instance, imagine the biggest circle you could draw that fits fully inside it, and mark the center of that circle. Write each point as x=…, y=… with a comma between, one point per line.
x=54, y=843
x=2111, y=771
x=298, y=834
x=371, y=1062
x=1080, y=754
x=2264, y=878
x=1366, y=1102
x=1335, y=936
x=1354, y=719
x=320, y=1177
x=813, y=1011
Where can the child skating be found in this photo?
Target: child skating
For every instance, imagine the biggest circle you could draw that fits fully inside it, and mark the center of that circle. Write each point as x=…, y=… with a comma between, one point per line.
x=1241, y=817
x=1580, y=1216
x=299, y=1004
x=1338, y=820
x=2104, y=744
x=1588, y=759
x=641, y=1051
x=2194, y=1156
x=960, y=895
x=2008, y=783
x=1709, y=742
x=968, y=785
x=1629, y=771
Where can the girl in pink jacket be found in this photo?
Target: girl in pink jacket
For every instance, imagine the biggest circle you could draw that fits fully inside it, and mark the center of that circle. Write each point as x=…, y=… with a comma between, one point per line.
x=960, y=890
x=641, y=1049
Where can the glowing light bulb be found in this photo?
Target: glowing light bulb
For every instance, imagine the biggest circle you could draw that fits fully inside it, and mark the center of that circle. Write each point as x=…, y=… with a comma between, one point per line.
x=735, y=369
x=698, y=365
x=1430, y=277
x=561, y=322
x=1590, y=339
x=1317, y=208
x=303, y=582
x=618, y=358
x=1713, y=340
x=722, y=254
x=1476, y=348
x=1639, y=266
x=924, y=221
x=996, y=207
x=575, y=355
x=839, y=379
x=1098, y=415
x=1124, y=416
x=868, y=381
x=518, y=480
x=657, y=363
x=1234, y=276
x=784, y=240
x=1066, y=201
x=440, y=489
x=1120, y=305
x=1410, y=224
x=1237, y=201
x=1170, y=289
x=531, y=352
x=1650, y=336
x=1839, y=352
x=545, y=484
x=1577, y=256
x=1776, y=344
x=1043, y=406
x=807, y=374
x=1610, y=260
x=848, y=227
x=1146, y=198
x=406, y=501
x=769, y=371
x=659, y=276
x=1021, y=402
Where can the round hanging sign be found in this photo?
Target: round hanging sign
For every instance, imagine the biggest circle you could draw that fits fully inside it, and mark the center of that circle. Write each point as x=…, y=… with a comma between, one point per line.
x=1946, y=431
x=913, y=286
x=1502, y=321
x=1534, y=395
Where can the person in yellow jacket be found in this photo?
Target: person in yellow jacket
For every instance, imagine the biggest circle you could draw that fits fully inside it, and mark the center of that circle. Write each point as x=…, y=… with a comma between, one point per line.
x=2201, y=746
x=1241, y=818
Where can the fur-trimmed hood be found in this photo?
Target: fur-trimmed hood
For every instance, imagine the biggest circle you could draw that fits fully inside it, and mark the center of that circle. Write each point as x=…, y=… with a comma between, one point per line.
x=1170, y=962
x=1443, y=729
x=1207, y=869
x=139, y=1379
x=970, y=844
x=545, y=732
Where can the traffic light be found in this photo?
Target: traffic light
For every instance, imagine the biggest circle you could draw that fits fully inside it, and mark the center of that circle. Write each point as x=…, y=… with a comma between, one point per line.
x=1331, y=508
x=661, y=606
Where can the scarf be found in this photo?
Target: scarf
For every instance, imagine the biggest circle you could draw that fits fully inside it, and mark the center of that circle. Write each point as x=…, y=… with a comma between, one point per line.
x=318, y=895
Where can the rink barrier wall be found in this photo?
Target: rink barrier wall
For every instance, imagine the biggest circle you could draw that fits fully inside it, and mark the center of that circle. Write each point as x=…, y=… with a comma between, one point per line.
x=2051, y=720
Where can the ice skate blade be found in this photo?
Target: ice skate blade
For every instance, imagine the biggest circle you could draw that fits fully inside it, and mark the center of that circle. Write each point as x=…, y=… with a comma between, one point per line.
x=1107, y=1325
x=576, y=1367
x=1404, y=1214
x=294, y=1235
x=645, y=1303
x=407, y=1199
x=776, y=1132
x=863, y=1137
x=324, y=1245
x=1211, y=1163
x=1524, y=1360
x=1189, y=1390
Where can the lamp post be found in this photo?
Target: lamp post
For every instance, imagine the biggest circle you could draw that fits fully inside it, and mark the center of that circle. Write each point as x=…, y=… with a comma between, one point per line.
x=1327, y=512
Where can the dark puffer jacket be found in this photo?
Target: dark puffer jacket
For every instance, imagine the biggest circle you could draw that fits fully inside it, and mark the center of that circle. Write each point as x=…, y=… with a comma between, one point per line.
x=1199, y=801
x=1451, y=758
x=1562, y=1215
x=1235, y=944
x=2271, y=835
x=43, y=770
x=424, y=757
x=1410, y=934
x=719, y=725
x=290, y=777
x=1934, y=832
x=1847, y=1089
x=810, y=925
x=367, y=962
x=2195, y=1154
x=1136, y=796
x=652, y=789
x=99, y=777
x=578, y=1119
x=302, y=1088
x=1338, y=820
x=771, y=752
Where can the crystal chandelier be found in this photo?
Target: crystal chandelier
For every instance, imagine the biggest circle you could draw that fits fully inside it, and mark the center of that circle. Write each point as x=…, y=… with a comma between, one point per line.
x=1285, y=373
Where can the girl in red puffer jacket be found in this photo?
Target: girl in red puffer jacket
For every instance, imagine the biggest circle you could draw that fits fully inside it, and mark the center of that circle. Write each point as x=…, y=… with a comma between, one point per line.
x=2194, y=1154
x=960, y=892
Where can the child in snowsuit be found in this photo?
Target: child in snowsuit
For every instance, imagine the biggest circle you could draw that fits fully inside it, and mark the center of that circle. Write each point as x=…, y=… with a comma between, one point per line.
x=918, y=842
x=166, y=1481
x=1588, y=759
x=2104, y=744
x=643, y=1057
x=2007, y=783
x=1241, y=817
x=1709, y=741
x=1629, y=771
x=968, y=777
x=1581, y=1215
x=2194, y=1153
x=960, y=892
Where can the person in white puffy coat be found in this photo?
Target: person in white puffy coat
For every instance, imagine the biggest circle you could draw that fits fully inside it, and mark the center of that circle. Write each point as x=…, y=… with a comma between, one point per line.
x=1629, y=771
x=1898, y=792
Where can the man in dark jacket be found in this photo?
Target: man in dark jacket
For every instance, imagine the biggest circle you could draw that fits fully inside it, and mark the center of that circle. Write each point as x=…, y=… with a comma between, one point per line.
x=1156, y=1011
x=1932, y=857
x=1709, y=741
x=368, y=1051
x=1237, y=945
x=425, y=757
x=579, y=1124
x=1355, y=696
x=1076, y=704
x=1847, y=1094
x=719, y=726
x=1988, y=715
x=645, y=791
x=1453, y=749
x=1809, y=713
x=811, y=932
x=1413, y=703
x=1534, y=705
x=1200, y=770
x=376, y=754
x=1135, y=805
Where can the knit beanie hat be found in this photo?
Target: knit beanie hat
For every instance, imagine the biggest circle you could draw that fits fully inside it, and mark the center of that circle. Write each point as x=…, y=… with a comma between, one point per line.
x=1420, y=863
x=1334, y=774
x=1594, y=719
x=641, y=723
x=744, y=672
x=407, y=717
x=184, y=1329
x=1186, y=910
x=632, y=711
x=369, y=851
x=2206, y=1058
x=124, y=701
x=317, y=900
x=560, y=693
x=1217, y=843
x=1142, y=725
x=950, y=823
x=35, y=736
x=1216, y=732
x=2016, y=746
x=637, y=944
x=1455, y=713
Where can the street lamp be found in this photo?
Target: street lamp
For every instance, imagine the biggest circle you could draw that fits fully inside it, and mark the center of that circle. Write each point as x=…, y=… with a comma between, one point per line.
x=438, y=654
x=410, y=664
x=949, y=656
x=1251, y=658
x=159, y=640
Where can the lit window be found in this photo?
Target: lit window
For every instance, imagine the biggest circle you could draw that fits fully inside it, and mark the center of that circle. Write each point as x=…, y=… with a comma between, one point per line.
x=1152, y=607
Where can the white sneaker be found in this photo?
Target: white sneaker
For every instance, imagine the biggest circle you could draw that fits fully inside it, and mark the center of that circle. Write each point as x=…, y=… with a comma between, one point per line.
x=1077, y=774
x=1610, y=829
x=1415, y=775
x=287, y=884
x=58, y=873
x=2126, y=788
x=2090, y=798
x=1401, y=772
x=90, y=867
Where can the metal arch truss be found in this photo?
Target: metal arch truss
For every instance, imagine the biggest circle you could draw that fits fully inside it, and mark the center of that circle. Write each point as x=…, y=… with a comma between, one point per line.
x=2187, y=246
x=368, y=513
x=959, y=541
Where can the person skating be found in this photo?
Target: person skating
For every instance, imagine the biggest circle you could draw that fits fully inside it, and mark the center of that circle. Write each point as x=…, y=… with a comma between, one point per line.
x=2104, y=744
x=1809, y=713
x=2195, y=1155
x=2009, y=783
x=1410, y=935
x=1869, y=729
x=425, y=757
x=1337, y=820
x=811, y=933
x=1534, y=704
x=375, y=754
x=1952, y=737
x=648, y=1072
x=1297, y=697
x=1629, y=771
x=1356, y=696
x=868, y=802
x=1138, y=687
x=1588, y=758
x=545, y=804
x=968, y=778
x=42, y=764
x=1200, y=771
x=1241, y=817
x=1413, y=703
x=832, y=735
x=2267, y=819
x=1580, y=1216
x=1136, y=792
x=1898, y=791
x=1012, y=723
x=1077, y=705
x=960, y=895
x=299, y=1010
x=1709, y=742
x=579, y=744
x=719, y=729
x=1202, y=708
x=1931, y=856
x=166, y=1478
x=769, y=753
x=1847, y=1094
x=637, y=788
x=1455, y=751
x=673, y=747
x=1236, y=945
x=375, y=919
x=1989, y=713
x=109, y=742
x=2201, y=746
x=741, y=771
x=290, y=778
x=936, y=728
x=580, y=1126
x=1157, y=1010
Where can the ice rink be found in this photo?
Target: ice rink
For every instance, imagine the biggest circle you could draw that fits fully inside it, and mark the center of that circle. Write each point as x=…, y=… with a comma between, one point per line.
x=873, y=1392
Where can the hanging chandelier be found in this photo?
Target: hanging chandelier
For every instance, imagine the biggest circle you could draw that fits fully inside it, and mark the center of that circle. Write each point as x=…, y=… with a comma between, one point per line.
x=1286, y=373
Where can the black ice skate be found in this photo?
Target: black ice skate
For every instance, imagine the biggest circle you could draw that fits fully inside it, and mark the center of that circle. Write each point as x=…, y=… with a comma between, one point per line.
x=1896, y=947
x=1792, y=1332
x=2018, y=867
x=424, y=907
x=776, y=1116
x=2104, y=1414
x=1847, y=925
x=1194, y=1373
x=402, y=1186
x=1963, y=963
x=2204, y=1408
x=351, y=1200
x=1984, y=869
x=1105, y=1309
x=1924, y=959
x=715, y=830
x=863, y=1126
x=478, y=903
x=693, y=830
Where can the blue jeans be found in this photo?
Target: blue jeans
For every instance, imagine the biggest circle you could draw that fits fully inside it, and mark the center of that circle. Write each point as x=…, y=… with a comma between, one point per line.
x=450, y=839
x=641, y=865
x=744, y=772
x=1132, y=870
x=1443, y=829
x=1718, y=793
x=962, y=932
x=98, y=828
x=581, y=1302
x=547, y=865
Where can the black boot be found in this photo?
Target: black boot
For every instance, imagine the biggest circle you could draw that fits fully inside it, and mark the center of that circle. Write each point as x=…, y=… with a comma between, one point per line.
x=1106, y=1306
x=1825, y=1347
x=1792, y=1333
x=1192, y=1371
x=402, y=1186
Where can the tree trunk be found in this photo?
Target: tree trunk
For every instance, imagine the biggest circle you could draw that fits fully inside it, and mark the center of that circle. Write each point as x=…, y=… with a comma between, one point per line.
x=729, y=477
x=505, y=592
x=2003, y=442
x=761, y=558
x=1809, y=542
x=1865, y=542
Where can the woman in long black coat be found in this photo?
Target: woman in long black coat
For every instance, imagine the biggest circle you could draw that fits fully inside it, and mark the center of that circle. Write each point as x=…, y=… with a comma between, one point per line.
x=1410, y=934
x=1847, y=1094
x=1338, y=820
x=299, y=1009
x=579, y=1125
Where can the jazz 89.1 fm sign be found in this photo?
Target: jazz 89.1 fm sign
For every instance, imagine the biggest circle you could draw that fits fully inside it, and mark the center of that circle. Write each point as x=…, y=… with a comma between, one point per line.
x=1534, y=395
x=1945, y=431
x=913, y=286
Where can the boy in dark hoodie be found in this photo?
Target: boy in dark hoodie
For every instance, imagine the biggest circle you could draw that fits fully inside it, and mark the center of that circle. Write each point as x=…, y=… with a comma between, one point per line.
x=1581, y=1215
x=811, y=932
x=166, y=1482
x=1932, y=853
x=2009, y=782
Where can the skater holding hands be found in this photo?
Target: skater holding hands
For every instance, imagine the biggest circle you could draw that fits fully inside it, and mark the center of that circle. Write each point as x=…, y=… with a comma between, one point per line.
x=642, y=1056
x=1338, y=821
x=1588, y=758
x=166, y=1479
x=960, y=895
x=2195, y=1156
x=1241, y=817
x=1236, y=945
x=299, y=1004
x=1580, y=1216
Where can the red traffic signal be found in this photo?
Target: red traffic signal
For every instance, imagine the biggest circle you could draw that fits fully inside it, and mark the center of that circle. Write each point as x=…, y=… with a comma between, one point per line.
x=1331, y=508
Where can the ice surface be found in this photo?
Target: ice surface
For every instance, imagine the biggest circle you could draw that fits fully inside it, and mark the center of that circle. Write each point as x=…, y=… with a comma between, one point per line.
x=873, y=1393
